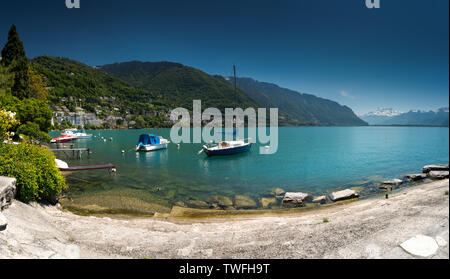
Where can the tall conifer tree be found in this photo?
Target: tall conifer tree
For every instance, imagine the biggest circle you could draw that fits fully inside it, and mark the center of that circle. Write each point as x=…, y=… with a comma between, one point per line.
x=13, y=57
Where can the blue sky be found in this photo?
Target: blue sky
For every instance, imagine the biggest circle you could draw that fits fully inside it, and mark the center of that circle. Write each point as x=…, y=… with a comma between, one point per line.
x=396, y=56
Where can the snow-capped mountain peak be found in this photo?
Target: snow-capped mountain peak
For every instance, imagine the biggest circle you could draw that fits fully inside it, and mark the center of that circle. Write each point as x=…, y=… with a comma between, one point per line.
x=389, y=112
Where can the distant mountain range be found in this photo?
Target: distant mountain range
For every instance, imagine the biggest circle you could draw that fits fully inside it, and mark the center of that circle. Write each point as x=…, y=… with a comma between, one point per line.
x=439, y=117
x=141, y=88
x=296, y=108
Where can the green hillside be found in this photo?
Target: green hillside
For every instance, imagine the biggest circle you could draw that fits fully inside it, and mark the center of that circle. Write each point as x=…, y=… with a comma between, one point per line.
x=177, y=85
x=69, y=78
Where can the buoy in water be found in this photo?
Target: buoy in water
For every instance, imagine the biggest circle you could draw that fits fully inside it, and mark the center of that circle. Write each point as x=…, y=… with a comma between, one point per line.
x=123, y=151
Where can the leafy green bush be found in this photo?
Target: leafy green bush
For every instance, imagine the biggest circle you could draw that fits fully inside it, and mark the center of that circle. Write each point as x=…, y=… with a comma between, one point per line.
x=34, y=167
x=31, y=131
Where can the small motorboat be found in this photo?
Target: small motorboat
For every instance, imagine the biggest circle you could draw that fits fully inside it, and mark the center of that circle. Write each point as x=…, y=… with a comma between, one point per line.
x=64, y=138
x=227, y=148
x=149, y=142
x=74, y=132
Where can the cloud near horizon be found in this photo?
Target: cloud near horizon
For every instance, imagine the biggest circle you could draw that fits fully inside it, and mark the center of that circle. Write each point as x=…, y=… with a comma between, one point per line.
x=347, y=95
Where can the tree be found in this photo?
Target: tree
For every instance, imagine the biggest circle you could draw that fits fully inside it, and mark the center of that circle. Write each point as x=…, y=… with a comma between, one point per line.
x=13, y=49
x=6, y=80
x=32, y=110
x=37, y=85
x=13, y=56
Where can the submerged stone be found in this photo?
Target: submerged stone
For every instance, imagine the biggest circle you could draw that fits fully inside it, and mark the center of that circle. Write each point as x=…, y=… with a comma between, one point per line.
x=243, y=202
x=220, y=201
x=277, y=192
x=268, y=202
x=320, y=199
x=197, y=204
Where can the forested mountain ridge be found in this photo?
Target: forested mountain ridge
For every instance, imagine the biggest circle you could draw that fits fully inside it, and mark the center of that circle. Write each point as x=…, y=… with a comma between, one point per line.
x=296, y=108
x=179, y=85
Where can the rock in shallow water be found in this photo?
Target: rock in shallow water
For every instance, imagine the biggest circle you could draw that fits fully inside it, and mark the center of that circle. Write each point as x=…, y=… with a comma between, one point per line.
x=221, y=201
x=415, y=177
x=243, y=202
x=268, y=202
x=393, y=182
x=343, y=195
x=197, y=204
x=320, y=199
x=7, y=191
x=277, y=192
x=295, y=198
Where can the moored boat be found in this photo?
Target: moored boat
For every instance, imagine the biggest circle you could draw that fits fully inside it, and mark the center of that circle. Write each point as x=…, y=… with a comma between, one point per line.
x=64, y=138
x=74, y=132
x=149, y=142
x=227, y=148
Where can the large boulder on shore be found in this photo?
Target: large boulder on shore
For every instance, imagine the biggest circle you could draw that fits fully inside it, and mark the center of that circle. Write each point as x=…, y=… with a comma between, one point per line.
x=296, y=199
x=7, y=191
x=427, y=169
x=343, y=195
x=438, y=174
x=243, y=202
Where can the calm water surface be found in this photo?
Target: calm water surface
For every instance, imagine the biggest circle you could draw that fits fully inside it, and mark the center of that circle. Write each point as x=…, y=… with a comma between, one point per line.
x=309, y=159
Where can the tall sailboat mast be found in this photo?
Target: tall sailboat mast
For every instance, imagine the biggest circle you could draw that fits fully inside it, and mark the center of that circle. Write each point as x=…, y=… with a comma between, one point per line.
x=235, y=86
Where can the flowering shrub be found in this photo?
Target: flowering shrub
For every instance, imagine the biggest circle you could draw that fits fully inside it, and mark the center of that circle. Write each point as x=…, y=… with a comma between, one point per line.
x=7, y=121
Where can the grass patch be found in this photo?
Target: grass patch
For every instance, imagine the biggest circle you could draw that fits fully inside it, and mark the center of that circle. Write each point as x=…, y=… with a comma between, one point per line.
x=325, y=220
x=446, y=193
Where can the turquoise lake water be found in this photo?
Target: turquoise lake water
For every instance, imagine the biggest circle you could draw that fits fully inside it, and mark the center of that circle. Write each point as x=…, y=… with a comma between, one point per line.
x=316, y=160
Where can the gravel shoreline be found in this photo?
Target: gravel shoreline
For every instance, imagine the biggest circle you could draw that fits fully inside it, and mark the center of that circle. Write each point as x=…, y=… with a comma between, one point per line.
x=371, y=228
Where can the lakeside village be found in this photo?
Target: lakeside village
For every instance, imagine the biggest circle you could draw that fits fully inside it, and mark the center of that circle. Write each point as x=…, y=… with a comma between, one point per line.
x=104, y=117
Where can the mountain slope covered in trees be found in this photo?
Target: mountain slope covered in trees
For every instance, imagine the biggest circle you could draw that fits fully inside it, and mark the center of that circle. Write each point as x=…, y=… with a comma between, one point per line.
x=179, y=85
x=296, y=108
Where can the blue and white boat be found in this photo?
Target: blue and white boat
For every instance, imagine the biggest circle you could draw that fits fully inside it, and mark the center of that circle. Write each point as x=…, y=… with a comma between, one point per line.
x=227, y=148
x=149, y=142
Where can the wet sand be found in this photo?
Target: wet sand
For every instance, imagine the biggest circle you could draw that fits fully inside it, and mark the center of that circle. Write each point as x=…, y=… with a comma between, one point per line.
x=371, y=228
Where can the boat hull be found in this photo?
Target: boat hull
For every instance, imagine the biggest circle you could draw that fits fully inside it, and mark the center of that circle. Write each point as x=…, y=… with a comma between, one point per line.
x=227, y=151
x=153, y=147
x=62, y=140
